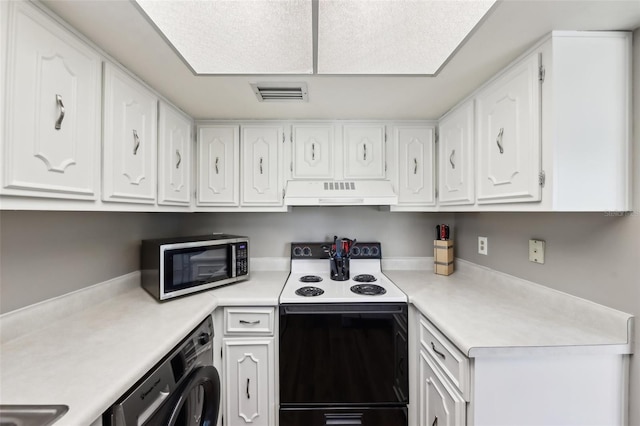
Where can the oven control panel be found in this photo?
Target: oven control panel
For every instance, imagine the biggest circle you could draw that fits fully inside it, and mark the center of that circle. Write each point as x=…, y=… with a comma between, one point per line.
x=321, y=250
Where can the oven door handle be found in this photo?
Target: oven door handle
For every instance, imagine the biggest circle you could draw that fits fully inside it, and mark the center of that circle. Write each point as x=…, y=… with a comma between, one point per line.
x=341, y=309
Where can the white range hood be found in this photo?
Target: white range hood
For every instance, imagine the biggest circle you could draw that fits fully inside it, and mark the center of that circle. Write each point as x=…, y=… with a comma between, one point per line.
x=340, y=193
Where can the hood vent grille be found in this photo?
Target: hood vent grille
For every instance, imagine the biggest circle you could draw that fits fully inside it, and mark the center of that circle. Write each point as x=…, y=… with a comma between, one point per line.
x=339, y=186
x=281, y=92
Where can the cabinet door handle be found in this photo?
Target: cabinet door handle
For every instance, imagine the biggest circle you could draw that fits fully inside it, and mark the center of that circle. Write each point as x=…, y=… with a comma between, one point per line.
x=216, y=165
x=499, y=140
x=260, y=165
x=179, y=159
x=313, y=151
x=437, y=351
x=364, y=152
x=415, y=166
x=435, y=421
x=453, y=152
x=61, y=115
x=248, y=394
x=136, y=142
x=249, y=322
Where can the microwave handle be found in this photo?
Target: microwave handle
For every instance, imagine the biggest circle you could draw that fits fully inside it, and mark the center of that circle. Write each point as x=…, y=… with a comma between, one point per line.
x=234, y=272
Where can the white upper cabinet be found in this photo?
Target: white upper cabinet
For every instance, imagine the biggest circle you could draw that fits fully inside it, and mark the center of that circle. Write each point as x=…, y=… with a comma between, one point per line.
x=52, y=104
x=456, y=159
x=312, y=151
x=262, y=153
x=174, y=156
x=415, y=161
x=130, y=139
x=364, y=151
x=508, y=135
x=218, y=158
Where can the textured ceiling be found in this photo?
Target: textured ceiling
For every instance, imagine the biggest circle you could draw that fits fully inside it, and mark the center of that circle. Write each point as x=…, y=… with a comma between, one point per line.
x=119, y=28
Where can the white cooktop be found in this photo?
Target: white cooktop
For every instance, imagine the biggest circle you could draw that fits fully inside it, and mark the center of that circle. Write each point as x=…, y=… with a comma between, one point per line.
x=338, y=291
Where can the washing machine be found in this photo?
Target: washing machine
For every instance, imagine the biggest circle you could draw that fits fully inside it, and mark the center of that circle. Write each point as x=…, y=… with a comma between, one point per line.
x=181, y=390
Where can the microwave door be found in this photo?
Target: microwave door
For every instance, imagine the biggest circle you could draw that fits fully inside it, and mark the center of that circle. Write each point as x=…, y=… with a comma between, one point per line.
x=211, y=265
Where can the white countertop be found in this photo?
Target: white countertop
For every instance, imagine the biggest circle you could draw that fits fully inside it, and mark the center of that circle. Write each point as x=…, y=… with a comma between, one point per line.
x=88, y=359
x=484, y=313
x=88, y=348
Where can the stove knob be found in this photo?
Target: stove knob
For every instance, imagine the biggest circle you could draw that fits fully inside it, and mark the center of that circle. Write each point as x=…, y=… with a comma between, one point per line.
x=355, y=251
x=306, y=251
x=297, y=251
x=375, y=251
x=204, y=338
x=365, y=251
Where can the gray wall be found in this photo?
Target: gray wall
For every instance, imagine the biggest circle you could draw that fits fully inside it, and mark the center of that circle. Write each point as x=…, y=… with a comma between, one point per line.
x=592, y=255
x=402, y=234
x=48, y=254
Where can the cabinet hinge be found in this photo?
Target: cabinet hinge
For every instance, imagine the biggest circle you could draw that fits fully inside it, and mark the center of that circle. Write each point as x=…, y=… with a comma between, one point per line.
x=436, y=193
x=385, y=166
x=291, y=166
x=437, y=136
x=385, y=137
x=283, y=194
x=541, y=73
x=542, y=178
x=282, y=137
x=220, y=352
x=291, y=137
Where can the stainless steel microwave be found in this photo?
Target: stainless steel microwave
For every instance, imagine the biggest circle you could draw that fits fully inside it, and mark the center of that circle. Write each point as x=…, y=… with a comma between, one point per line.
x=173, y=267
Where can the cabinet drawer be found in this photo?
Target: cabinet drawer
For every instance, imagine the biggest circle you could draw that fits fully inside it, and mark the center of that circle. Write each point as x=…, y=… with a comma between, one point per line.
x=451, y=361
x=249, y=320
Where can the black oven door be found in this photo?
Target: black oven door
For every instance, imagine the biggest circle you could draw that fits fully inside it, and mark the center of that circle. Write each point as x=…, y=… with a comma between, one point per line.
x=343, y=355
x=193, y=266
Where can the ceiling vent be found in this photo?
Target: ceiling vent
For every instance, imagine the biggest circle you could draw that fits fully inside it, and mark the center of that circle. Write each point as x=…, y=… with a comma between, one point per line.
x=281, y=92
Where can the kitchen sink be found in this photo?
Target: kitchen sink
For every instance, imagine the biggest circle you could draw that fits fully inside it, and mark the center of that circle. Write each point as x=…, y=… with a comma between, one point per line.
x=31, y=415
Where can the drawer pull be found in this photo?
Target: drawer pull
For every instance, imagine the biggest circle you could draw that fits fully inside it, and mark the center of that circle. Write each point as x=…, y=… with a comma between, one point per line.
x=435, y=421
x=499, y=140
x=249, y=322
x=438, y=353
x=248, y=394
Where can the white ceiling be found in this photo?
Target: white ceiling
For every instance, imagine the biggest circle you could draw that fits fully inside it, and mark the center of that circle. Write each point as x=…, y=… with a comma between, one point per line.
x=119, y=28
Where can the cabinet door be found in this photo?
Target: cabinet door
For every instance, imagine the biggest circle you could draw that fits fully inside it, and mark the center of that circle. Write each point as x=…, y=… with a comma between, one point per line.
x=312, y=151
x=52, y=145
x=262, y=165
x=456, y=157
x=218, y=165
x=174, y=156
x=509, y=136
x=249, y=382
x=415, y=165
x=130, y=139
x=364, y=151
x=438, y=403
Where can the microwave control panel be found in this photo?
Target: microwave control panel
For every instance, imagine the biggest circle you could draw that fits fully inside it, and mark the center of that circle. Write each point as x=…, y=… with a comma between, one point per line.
x=242, y=259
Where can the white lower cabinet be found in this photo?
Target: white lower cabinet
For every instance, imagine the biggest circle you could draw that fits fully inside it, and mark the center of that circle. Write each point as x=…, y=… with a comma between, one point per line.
x=439, y=403
x=248, y=381
x=248, y=365
x=513, y=386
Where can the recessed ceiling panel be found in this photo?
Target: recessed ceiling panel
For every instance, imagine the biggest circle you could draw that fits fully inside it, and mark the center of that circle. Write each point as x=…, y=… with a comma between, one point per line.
x=237, y=36
x=393, y=37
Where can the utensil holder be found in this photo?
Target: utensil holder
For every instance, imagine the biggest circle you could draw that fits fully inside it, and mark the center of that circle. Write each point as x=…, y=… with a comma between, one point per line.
x=339, y=268
x=443, y=257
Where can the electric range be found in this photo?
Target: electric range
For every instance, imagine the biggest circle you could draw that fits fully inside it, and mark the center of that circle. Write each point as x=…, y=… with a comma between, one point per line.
x=343, y=350
x=310, y=280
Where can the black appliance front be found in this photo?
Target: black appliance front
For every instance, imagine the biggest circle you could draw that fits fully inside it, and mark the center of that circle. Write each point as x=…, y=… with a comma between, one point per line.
x=183, y=389
x=343, y=358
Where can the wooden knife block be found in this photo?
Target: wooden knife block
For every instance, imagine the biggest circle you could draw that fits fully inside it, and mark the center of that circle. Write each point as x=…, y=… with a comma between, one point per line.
x=443, y=257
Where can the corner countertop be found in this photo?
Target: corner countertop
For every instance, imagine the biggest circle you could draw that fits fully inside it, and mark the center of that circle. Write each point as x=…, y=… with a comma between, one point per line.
x=89, y=358
x=88, y=348
x=486, y=313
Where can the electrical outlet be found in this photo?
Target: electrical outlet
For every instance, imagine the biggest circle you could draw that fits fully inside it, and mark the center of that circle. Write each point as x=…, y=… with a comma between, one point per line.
x=536, y=251
x=483, y=245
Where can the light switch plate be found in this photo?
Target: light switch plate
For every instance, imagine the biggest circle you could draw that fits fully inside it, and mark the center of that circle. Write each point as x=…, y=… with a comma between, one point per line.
x=536, y=251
